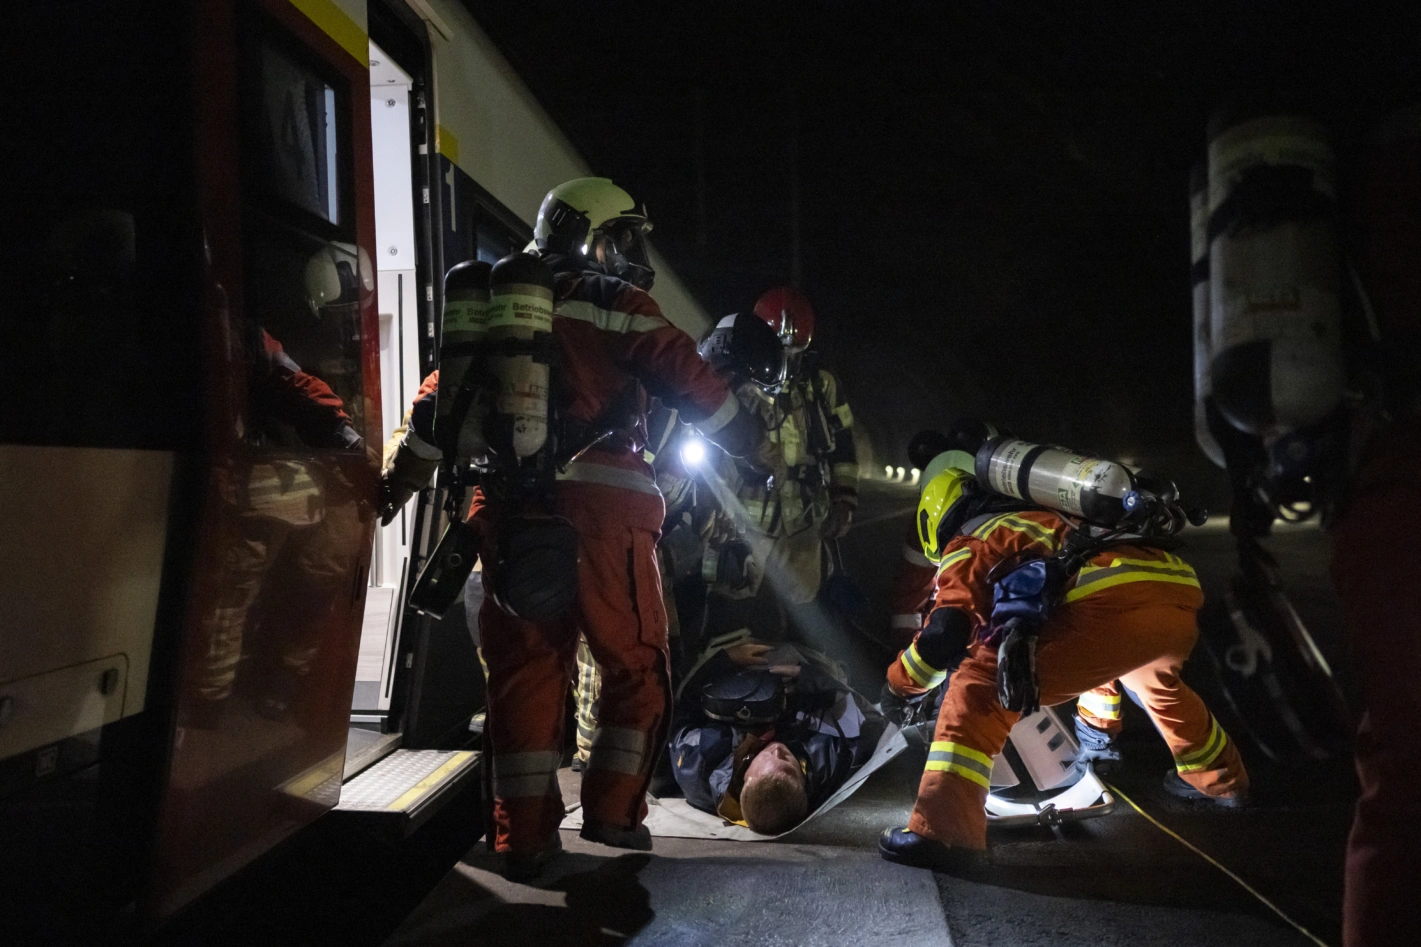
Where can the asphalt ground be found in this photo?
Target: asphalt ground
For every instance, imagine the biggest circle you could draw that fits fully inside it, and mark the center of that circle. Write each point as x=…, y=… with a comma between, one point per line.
x=1108, y=881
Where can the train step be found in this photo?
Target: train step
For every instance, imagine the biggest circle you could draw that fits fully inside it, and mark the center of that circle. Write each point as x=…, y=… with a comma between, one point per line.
x=399, y=792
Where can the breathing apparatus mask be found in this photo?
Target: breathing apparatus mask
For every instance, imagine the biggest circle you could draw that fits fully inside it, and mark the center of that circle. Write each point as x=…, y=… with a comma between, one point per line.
x=620, y=251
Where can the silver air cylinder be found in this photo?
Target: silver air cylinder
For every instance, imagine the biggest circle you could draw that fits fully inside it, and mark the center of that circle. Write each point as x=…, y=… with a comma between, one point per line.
x=1199, y=281
x=520, y=323
x=1074, y=484
x=461, y=401
x=1274, y=262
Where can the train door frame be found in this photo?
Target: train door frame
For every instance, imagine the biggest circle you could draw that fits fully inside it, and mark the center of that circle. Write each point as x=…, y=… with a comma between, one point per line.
x=402, y=35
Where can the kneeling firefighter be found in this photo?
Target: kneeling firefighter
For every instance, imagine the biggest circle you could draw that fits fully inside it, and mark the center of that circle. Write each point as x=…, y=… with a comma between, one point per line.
x=1052, y=581
x=611, y=348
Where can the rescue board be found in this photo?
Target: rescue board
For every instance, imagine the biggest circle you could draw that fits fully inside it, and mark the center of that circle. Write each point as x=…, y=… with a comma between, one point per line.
x=674, y=817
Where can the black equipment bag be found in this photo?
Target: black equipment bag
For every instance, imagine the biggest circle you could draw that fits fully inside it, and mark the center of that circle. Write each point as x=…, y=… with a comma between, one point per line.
x=745, y=698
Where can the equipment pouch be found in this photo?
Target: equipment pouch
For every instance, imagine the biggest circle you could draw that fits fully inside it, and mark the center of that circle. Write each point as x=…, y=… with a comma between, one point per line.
x=745, y=698
x=443, y=576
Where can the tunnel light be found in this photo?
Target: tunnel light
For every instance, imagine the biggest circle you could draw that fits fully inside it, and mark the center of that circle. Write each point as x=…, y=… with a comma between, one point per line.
x=693, y=452
x=900, y=475
x=915, y=473
x=888, y=472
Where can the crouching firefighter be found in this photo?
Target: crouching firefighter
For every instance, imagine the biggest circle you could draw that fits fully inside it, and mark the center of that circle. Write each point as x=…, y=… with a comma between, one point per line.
x=611, y=348
x=1035, y=606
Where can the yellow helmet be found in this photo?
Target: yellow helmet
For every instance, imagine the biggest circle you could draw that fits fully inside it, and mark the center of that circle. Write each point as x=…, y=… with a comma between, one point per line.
x=944, y=491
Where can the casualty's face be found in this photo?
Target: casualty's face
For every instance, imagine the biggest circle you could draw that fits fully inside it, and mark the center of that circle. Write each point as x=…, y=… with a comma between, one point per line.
x=775, y=759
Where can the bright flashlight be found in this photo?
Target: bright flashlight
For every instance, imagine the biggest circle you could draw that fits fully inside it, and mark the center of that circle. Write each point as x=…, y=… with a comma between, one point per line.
x=888, y=471
x=899, y=478
x=915, y=473
x=693, y=452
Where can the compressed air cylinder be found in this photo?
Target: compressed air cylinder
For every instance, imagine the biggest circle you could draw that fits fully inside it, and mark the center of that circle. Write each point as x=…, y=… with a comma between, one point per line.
x=462, y=399
x=1274, y=310
x=1199, y=281
x=520, y=324
x=1075, y=484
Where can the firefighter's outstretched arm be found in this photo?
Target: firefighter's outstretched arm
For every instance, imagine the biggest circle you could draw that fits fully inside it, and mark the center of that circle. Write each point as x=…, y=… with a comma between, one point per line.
x=938, y=648
x=410, y=456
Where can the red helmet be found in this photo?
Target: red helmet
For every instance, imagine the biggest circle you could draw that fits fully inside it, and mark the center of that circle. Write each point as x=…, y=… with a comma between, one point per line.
x=789, y=313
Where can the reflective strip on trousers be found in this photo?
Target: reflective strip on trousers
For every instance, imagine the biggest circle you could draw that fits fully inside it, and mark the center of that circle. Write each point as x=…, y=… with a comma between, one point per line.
x=1203, y=759
x=921, y=672
x=972, y=765
x=526, y=775
x=1100, y=705
x=618, y=750
x=1092, y=579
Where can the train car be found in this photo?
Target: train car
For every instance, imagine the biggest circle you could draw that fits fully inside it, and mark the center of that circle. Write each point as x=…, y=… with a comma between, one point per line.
x=221, y=290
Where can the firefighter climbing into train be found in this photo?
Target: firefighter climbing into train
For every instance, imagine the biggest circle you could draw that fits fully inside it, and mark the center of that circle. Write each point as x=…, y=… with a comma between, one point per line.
x=583, y=482
x=1054, y=578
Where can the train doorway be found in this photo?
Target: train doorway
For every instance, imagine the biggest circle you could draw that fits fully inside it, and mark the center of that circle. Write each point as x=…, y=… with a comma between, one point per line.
x=400, y=375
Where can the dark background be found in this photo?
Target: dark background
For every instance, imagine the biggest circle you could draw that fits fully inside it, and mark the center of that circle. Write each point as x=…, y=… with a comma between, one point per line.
x=992, y=195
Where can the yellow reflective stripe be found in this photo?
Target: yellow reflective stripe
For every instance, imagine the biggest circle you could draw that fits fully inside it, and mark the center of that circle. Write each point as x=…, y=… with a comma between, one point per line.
x=1099, y=705
x=952, y=559
x=1204, y=758
x=921, y=672
x=1092, y=579
x=947, y=746
x=337, y=24
x=1016, y=524
x=970, y=764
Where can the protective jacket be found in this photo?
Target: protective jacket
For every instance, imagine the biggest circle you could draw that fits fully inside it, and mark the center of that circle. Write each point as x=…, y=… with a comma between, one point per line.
x=614, y=349
x=813, y=426
x=1128, y=614
x=823, y=726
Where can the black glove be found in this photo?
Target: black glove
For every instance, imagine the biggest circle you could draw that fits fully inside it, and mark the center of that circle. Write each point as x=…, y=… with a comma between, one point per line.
x=894, y=706
x=1016, y=667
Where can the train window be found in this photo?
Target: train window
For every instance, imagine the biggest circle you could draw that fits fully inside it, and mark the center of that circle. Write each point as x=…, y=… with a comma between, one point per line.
x=293, y=125
x=492, y=242
x=305, y=279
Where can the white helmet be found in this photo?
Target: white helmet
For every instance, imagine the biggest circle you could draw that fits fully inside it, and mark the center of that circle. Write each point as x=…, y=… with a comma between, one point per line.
x=578, y=214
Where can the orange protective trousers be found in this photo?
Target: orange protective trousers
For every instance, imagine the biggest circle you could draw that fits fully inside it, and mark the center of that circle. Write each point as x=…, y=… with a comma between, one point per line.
x=1084, y=645
x=530, y=665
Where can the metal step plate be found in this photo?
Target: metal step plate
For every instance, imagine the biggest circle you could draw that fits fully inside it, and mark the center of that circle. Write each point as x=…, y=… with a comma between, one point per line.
x=364, y=748
x=408, y=786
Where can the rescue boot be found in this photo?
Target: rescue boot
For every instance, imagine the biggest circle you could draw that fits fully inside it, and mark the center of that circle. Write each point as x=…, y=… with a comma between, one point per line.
x=525, y=866
x=637, y=839
x=1175, y=785
x=919, y=851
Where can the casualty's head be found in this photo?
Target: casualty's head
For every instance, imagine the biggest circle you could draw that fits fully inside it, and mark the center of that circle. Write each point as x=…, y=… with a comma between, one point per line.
x=744, y=349
x=598, y=222
x=774, y=797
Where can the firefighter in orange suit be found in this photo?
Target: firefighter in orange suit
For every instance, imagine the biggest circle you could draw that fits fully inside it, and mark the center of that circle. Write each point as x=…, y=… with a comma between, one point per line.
x=614, y=348
x=1128, y=613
